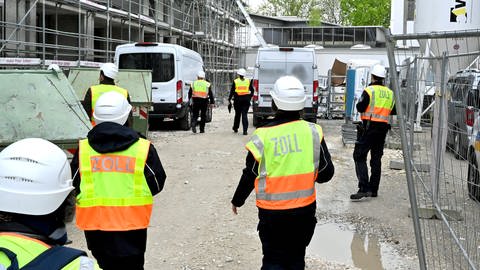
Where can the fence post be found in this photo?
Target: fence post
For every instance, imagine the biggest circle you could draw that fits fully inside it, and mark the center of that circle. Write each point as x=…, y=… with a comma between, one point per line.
x=406, y=154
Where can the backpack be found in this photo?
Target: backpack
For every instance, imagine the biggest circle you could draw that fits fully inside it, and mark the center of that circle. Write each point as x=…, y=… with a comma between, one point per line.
x=54, y=258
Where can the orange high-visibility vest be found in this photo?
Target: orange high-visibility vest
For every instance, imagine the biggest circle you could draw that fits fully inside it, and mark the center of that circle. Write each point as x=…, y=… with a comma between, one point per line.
x=381, y=104
x=98, y=90
x=200, y=89
x=288, y=157
x=241, y=86
x=114, y=194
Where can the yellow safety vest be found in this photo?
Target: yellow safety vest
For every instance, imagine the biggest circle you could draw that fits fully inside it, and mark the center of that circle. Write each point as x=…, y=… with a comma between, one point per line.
x=241, y=86
x=200, y=89
x=27, y=249
x=114, y=194
x=381, y=104
x=98, y=90
x=288, y=157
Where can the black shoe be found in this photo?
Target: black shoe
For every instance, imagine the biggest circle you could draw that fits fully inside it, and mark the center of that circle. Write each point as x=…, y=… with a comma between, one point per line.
x=202, y=131
x=194, y=129
x=360, y=196
x=245, y=133
x=235, y=130
x=374, y=194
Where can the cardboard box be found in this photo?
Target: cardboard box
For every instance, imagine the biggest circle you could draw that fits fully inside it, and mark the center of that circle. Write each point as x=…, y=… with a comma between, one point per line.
x=339, y=70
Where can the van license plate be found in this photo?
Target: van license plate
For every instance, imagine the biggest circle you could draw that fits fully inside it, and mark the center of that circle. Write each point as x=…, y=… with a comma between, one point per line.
x=266, y=98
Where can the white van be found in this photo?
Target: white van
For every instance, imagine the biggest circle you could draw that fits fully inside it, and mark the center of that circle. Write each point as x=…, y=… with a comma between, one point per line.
x=173, y=67
x=274, y=62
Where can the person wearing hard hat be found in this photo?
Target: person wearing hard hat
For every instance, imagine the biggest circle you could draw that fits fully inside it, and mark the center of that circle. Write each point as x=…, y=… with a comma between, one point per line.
x=285, y=158
x=375, y=105
x=36, y=200
x=116, y=174
x=108, y=74
x=241, y=92
x=201, y=95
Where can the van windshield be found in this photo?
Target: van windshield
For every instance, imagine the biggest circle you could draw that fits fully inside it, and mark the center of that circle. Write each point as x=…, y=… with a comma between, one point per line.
x=162, y=65
x=269, y=72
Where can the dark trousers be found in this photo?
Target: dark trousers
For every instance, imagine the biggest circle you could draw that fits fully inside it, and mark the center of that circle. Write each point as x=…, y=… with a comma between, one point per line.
x=241, y=107
x=108, y=262
x=371, y=140
x=284, y=240
x=200, y=106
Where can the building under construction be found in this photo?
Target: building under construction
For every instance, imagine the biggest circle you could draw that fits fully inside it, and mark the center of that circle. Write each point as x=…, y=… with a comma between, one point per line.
x=37, y=33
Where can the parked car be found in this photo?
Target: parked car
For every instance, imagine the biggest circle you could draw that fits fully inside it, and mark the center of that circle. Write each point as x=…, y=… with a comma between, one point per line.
x=463, y=103
x=473, y=176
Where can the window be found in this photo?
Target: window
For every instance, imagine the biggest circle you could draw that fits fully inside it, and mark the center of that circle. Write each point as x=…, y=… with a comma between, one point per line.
x=162, y=65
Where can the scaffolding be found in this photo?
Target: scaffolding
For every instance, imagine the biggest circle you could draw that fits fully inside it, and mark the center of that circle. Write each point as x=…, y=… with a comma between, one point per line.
x=36, y=33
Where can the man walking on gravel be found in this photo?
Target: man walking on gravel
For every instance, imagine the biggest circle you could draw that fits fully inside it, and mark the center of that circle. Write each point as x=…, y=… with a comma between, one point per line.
x=285, y=158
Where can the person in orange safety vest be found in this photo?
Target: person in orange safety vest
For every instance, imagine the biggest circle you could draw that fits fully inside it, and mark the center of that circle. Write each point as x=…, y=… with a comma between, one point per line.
x=201, y=96
x=376, y=104
x=108, y=74
x=116, y=174
x=241, y=92
x=285, y=159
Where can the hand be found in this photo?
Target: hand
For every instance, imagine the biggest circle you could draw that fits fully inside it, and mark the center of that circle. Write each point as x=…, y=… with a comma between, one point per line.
x=234, y=209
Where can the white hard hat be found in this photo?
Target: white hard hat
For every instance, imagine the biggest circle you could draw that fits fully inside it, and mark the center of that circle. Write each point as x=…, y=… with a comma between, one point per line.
x=379, y=71
x=110, y=70
x=54, y=67
x=242, y=72
x=111, y=107
x=35, y=177
x=288, y=94
x=201, y=74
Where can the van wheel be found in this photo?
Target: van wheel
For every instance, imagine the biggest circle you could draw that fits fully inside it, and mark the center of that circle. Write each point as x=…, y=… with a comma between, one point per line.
x=209, y=115
x=186, y=122
x=473, y=179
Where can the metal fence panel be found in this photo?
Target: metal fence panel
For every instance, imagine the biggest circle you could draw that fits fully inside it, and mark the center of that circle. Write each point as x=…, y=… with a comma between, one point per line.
x=437, y=90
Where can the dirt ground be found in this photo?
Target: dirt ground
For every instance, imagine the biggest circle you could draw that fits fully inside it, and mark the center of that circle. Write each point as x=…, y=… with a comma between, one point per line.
x=193, y=227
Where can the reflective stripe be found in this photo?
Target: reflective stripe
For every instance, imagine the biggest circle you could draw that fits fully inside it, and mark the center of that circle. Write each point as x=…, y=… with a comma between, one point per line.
x=286, y=196
x=316, y=145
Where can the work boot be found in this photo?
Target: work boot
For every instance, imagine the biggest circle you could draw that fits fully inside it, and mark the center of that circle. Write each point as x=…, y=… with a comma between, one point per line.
x=202, y=131
x=360, y=196
x=235, y=130
x=245, y=133
x=194, y=129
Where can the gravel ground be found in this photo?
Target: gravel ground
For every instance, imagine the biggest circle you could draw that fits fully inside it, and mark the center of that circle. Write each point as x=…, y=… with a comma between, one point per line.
x=192, y=226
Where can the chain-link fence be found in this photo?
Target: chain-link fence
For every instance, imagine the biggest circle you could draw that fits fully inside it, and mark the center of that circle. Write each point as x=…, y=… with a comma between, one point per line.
x=437, y=90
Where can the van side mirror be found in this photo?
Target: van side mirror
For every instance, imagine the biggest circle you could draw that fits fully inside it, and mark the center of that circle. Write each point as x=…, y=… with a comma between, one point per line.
x=315, y=66
x=188, y=83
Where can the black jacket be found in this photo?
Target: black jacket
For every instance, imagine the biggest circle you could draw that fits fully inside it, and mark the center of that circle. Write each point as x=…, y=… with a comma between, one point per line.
x=236, y=97
x=247, y=180
x=110, y=137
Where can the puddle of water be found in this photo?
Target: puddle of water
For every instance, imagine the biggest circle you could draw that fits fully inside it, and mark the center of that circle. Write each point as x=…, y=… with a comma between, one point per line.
x=336, y=243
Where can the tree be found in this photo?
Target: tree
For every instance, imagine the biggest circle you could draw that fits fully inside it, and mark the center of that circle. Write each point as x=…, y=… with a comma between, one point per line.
x=365, y=12
x=330, y=11
x=299, y=8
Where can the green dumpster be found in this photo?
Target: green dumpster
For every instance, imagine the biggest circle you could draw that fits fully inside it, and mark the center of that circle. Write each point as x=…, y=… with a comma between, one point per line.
x=137, y=82
x=41, y=104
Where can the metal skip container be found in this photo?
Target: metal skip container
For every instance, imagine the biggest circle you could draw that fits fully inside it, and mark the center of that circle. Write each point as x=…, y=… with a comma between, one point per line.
x=40, y=104
x=137, y=82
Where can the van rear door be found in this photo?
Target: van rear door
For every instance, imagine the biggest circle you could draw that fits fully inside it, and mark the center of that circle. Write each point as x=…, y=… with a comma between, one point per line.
x=300, y=64
x=162, y=64
x=272, y=65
